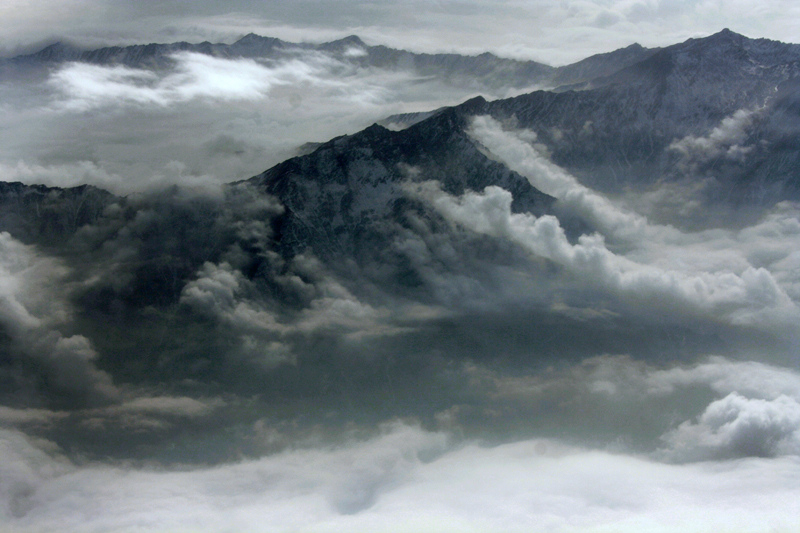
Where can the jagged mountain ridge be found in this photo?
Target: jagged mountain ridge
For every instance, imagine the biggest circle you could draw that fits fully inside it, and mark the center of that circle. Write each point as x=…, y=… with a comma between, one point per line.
x=345, y=201
x=613, y=133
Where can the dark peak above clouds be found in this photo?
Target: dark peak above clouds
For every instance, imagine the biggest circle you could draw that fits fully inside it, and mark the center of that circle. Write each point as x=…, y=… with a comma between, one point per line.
x=151, y=55
x=726, y=34
x=252, y=45
x=724, y=56
x=344, y=44
x=48, y=215
x=352, y=189
x=58, y=51
x=252, y=38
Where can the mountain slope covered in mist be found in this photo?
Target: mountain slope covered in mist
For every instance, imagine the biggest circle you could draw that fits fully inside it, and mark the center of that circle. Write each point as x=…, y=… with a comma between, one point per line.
x=718, y=109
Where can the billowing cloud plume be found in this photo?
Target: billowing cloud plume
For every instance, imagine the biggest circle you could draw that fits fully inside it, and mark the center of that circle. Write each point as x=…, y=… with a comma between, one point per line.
x=725, y=141
x=736, y=426
x=752, y=297
x=641, y=262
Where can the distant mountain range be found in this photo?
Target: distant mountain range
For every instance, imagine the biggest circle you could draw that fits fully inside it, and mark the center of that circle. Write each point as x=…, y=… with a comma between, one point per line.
x=484, y=70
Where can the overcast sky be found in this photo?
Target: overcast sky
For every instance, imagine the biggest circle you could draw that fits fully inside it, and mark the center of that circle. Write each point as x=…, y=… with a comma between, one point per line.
x=553, y=32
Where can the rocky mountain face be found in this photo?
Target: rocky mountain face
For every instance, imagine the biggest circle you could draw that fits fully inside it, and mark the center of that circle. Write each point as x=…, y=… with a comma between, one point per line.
x=347, y=202
x=600, y=65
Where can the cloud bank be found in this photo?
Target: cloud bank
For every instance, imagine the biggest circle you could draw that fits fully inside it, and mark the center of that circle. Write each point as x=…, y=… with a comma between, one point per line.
x=407, y=478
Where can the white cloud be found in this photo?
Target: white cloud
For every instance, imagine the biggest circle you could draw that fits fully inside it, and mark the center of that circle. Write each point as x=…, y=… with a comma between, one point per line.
x=196, y=76
x=147, y=414
x=750, y=298
x=725, y=141
x=750, y=378
x=736, y=426
x=234, y=118
x=167, y=405
x=521, y=152
x=223, y=293
x=28, y=415
x=716, y=409
x=264, y=328
x=64, y=175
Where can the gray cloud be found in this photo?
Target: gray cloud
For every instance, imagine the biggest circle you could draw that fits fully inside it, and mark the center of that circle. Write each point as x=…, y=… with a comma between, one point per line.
x=32, y=309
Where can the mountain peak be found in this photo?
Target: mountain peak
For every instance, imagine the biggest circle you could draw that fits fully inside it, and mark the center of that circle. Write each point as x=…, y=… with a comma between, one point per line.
x=57, y=51
x=726, y=35
x=253, y=38
x=352, y=39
